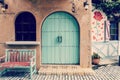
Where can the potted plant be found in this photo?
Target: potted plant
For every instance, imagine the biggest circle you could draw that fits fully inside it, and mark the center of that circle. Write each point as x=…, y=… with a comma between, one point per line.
x=95, y=58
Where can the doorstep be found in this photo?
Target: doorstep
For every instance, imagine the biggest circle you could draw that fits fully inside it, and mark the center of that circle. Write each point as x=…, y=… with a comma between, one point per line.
x=65, y=70
x=109, y=61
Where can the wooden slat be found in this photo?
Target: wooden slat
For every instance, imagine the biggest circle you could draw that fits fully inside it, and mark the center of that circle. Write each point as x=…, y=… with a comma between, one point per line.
x=15, y=55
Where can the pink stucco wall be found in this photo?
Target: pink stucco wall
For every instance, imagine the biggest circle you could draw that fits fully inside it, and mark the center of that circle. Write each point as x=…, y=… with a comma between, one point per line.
x=100, y=26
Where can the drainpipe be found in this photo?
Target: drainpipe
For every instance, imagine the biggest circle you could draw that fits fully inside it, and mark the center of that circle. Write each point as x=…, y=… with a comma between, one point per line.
x=104, y=31
x=119, y=42
x=119, y=61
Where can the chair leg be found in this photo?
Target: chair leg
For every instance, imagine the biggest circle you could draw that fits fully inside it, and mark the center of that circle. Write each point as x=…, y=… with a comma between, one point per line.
x=2, y=72
x=35, y=69
x=31, y=73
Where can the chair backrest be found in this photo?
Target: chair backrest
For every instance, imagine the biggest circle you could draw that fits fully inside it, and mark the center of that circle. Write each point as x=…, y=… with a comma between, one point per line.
x=19, y=55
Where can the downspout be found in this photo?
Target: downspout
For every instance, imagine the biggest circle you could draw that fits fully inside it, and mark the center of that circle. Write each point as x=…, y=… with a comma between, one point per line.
x=118, y=38
x=119, y=42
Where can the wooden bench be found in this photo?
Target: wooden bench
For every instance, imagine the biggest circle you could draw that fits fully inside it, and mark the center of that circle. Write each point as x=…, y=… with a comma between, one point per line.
x=2, y=60
x=20, y=58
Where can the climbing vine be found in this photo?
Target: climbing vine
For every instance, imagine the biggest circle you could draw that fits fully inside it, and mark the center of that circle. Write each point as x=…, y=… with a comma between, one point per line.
x=110, y=7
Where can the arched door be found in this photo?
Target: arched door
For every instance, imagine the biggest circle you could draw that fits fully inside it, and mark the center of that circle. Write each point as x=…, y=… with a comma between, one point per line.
x=60, y=39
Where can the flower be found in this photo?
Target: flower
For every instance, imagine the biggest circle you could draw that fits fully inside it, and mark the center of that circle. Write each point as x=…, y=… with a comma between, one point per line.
x=98, y=16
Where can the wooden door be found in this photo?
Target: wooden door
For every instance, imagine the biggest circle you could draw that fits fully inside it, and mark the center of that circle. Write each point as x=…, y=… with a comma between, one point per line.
x=60, y=39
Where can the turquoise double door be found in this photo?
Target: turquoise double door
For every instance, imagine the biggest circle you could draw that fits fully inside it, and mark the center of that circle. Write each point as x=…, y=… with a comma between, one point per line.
x=60, y=40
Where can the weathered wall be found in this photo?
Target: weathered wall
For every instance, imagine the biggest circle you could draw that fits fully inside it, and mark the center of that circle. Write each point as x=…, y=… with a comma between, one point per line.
x=41, y=9
x=101, y=42
x=100, y=26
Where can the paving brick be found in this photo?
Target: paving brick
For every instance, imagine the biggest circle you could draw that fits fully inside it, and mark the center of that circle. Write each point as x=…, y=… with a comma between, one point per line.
x=102, y=73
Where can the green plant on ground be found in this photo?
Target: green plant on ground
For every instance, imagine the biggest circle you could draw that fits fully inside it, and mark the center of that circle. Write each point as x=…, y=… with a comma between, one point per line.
x=95, y=56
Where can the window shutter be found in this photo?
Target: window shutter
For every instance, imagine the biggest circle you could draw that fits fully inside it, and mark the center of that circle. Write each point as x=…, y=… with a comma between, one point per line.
x=107, y=30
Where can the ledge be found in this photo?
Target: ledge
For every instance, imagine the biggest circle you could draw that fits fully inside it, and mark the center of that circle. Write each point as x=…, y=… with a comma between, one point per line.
x=23, y=43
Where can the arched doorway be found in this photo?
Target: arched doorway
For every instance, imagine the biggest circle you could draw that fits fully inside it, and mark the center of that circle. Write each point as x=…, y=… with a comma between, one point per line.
x=25, y=27
x=60, y=39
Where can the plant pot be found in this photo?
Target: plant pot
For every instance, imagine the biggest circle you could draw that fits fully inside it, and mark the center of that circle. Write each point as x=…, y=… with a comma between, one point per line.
x=95, y=61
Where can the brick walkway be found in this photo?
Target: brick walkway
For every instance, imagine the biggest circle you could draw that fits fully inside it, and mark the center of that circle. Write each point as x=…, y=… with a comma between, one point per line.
x=102, y=73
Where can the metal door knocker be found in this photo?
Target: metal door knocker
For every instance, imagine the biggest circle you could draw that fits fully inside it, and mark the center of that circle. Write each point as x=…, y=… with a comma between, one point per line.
x=59, y=39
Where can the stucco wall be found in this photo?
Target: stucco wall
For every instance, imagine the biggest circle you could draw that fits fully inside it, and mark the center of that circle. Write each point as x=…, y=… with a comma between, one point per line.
x=41, y=9
x=101, y=42
x=99, y=25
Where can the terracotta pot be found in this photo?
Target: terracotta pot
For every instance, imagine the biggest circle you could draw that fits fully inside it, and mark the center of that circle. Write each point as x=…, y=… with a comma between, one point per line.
x=95, y=61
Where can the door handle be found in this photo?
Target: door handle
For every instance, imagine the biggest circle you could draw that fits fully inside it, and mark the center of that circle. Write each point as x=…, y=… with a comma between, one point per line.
x=59, y=39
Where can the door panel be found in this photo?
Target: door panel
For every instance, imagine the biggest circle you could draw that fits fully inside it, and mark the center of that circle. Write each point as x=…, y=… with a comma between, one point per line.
x=60, y=39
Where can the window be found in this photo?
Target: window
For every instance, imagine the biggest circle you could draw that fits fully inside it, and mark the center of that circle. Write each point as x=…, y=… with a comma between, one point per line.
x=113, y=31
x=25, y=27
x=1, y=1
